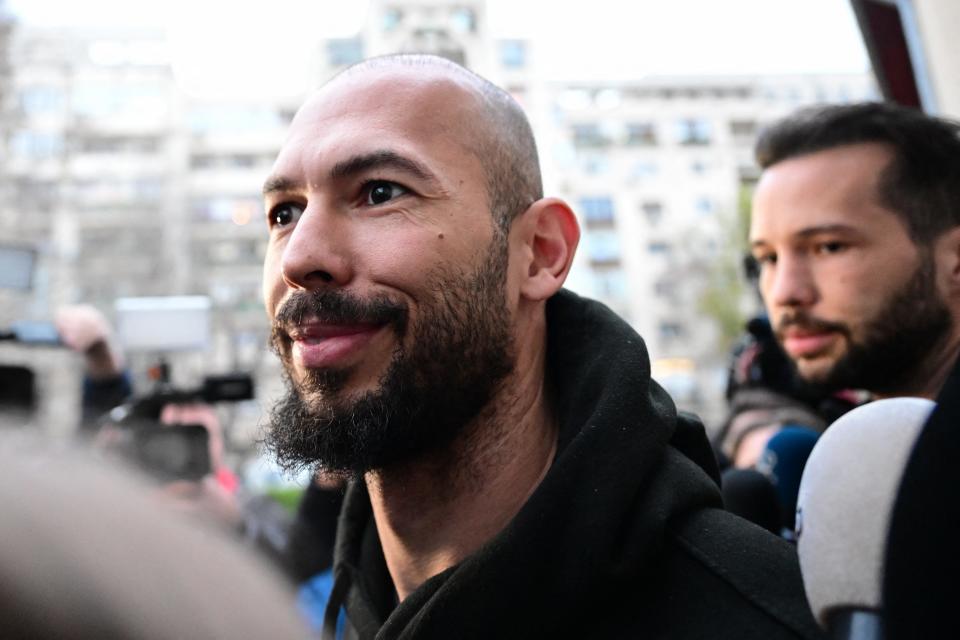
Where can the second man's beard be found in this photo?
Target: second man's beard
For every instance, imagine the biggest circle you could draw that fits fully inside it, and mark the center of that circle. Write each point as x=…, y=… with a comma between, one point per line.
x=896, y=342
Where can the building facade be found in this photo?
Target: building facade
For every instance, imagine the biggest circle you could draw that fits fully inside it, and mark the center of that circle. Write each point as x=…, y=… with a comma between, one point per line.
x=128, y=187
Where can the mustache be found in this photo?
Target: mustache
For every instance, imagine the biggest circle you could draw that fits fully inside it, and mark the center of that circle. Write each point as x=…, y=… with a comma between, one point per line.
x=336, y=307
x=804, y=321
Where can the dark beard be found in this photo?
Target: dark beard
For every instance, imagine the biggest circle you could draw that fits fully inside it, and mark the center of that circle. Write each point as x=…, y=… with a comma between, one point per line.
x=897, y=343
x=461, y=350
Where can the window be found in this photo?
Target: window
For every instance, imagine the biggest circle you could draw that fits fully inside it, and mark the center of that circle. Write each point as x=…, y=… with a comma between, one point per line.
x=610, y=283
x=41, y=100
x=36, y=144
x=603, y=246
x=202, y=161
x=595, y=165
x=392, y=18
x=659, y=248
x=344, y=51
x=641, y=134
x=242, y=160
x=589, y=136
x=743, y=128
x=665, y=289
x=513, y=54
x=464, y=20
x=119, y=144
x=149, y=188
x=704, y=206
x=228, y=161
x=597, y=209
x=693, y=132
x=670, y=330
x=643, y=169
x=652, y=211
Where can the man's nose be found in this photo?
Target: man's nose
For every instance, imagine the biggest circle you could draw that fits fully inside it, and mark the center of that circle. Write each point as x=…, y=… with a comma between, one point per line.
x=317, y=254
x=790, y=284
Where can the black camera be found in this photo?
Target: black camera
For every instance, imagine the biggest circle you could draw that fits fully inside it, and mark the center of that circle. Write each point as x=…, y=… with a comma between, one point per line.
x=175, y=451
x=172, y=452
x=17, y=383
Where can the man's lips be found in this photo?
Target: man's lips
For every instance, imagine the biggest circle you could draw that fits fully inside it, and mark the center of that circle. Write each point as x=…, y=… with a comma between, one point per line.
x=318, y=345
x=805, y=344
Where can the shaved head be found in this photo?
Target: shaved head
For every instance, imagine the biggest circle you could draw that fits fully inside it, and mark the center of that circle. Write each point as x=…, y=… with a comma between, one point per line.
x=499, y=134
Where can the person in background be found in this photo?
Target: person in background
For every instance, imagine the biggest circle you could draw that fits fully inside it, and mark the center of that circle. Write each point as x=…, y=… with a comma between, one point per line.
x=856, y=230
x=765, y=394
x=107, y=384
x=106, y=381
x=856, y=226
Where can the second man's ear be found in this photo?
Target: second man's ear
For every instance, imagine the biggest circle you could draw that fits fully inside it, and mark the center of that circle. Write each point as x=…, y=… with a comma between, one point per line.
x=947, y=260
x=549, y=234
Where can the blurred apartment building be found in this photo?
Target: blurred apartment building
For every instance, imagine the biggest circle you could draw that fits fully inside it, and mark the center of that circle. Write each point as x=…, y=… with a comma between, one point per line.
x=128, y=187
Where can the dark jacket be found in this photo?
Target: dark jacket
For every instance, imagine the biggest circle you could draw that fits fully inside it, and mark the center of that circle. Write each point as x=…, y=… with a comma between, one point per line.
x=624, y=538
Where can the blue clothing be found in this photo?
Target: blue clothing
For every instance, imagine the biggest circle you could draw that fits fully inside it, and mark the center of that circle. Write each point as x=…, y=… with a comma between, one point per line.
x=312, y=598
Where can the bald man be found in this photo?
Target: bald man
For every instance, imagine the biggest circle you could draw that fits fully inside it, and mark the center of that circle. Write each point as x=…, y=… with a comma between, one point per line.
x=515, y=471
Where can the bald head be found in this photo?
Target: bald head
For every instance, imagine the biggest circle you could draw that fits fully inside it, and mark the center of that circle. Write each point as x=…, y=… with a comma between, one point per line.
x=496, y=130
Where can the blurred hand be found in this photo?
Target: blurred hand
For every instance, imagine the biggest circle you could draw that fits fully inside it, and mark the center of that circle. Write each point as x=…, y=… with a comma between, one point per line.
x=752, y=445
x=85, y=330
x=205, y=498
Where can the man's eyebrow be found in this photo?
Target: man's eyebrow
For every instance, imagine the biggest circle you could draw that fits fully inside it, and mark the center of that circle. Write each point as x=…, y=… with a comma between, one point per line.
x=810, y=232
x=825, y=228
x=382, y=160
x=276, y=184
x=358, y=164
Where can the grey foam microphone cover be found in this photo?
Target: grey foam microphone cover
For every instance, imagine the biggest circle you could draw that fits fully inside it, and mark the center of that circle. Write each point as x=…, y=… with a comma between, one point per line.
x=89, y=551
x=846, y=498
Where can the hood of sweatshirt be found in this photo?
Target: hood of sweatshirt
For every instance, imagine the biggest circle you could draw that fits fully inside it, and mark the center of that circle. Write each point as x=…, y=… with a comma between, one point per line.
x=595, y=524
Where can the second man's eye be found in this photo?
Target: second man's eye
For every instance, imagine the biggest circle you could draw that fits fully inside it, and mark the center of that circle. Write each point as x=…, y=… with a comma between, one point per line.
x=830, y=247
x=380, y=191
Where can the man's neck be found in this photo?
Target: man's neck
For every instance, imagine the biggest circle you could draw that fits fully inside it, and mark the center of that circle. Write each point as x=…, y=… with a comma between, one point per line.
x=931, y=374
x=434, y=512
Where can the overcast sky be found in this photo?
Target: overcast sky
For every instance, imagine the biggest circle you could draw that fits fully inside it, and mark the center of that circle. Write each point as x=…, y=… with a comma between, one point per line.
x=573, y=39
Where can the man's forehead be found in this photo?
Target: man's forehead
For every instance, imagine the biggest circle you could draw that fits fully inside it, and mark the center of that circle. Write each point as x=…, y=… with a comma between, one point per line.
x=851, y=167
x=830, y=189
x=439, y=89
x=399, y=108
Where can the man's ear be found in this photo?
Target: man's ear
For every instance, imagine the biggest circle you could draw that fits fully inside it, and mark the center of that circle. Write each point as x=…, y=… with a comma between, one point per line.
x=548, y=233
x=947, y=260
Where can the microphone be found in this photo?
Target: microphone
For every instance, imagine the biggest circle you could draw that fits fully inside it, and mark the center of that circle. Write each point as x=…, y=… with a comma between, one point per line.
x=782, y=462
x=844, y=508
x=748, y=494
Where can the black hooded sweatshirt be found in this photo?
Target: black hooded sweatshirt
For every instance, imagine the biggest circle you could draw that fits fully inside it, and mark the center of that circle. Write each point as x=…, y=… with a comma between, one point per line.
x=623, y=538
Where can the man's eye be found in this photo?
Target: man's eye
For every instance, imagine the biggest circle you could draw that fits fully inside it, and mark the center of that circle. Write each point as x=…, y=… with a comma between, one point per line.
x=830, y=247
x=380, y=191
x=284, y=214
x=762, y=259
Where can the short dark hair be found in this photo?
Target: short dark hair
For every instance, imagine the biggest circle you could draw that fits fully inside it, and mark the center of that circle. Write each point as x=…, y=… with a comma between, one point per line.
x=922, y=182
x=504, y=144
